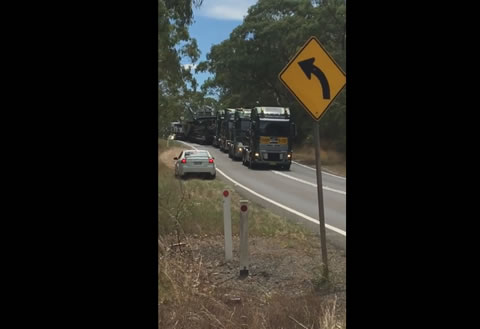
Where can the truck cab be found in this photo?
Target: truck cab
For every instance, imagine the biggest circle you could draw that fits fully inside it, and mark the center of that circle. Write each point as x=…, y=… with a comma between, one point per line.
x=240, y=129
x=176, y=130
x=220, y=117
x=270, y=138
x=226, y=130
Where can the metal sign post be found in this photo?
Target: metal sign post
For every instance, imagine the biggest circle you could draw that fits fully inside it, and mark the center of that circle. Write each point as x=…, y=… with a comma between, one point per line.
x=313, y=77
x=321, y=214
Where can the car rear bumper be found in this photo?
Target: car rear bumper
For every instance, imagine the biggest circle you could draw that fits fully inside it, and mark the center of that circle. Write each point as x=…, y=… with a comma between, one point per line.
x=201, y=170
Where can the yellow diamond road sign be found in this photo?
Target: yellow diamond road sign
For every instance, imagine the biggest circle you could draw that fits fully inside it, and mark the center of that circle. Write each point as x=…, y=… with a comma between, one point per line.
x=313, y=77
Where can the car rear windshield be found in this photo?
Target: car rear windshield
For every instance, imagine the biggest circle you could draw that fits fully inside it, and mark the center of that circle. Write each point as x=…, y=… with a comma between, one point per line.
x=196, y=154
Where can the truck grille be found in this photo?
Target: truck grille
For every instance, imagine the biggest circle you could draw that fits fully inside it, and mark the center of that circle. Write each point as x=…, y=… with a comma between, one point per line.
x=272, y=157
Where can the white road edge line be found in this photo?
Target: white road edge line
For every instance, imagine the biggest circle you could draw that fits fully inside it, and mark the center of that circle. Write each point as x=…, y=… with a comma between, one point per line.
x=313, y=220
x=326, y=173
x=308, y=183
x=282, y=206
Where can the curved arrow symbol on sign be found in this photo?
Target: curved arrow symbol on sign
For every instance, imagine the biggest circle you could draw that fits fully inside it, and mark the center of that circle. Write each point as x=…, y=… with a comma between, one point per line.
x=308, y=68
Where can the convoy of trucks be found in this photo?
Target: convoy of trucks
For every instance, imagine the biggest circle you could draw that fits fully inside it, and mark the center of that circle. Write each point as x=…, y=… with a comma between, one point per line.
x=262, y=135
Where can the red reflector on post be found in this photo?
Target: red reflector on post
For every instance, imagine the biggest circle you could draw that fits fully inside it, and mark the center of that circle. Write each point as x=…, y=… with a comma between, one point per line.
x=244, y=208
x=225, y=193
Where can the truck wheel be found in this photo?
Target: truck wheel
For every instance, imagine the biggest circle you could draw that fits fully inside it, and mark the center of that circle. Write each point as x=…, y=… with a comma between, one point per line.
x=286, y=167
x=251, y=165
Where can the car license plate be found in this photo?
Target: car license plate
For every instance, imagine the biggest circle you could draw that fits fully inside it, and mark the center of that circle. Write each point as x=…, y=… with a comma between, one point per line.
x=197, y=163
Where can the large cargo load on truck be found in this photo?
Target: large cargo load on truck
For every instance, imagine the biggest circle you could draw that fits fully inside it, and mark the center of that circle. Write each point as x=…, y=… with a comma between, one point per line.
x=270, y=138
x=200, y=128
x=239, y=131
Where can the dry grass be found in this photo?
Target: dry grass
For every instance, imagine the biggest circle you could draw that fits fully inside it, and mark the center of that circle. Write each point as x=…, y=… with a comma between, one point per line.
x=167, y=156
x=189, y=299
x=331, y=160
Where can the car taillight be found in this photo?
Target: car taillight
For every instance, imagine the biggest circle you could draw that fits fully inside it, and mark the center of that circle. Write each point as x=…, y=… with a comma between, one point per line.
x=184, y=161
x=210, y=160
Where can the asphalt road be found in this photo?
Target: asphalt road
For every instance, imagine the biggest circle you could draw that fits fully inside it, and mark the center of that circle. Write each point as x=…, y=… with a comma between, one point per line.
x=293, y=192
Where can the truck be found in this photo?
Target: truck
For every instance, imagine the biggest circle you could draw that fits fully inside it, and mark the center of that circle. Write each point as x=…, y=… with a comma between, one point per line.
x=270, y=137
x=220, y=116
x=200, y=128
x=226, y=129
x=239, y=131
x=176, y=129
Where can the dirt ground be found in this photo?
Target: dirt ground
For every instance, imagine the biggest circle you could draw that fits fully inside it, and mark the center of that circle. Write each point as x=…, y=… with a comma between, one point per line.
x=279, y=275
x=274, y=267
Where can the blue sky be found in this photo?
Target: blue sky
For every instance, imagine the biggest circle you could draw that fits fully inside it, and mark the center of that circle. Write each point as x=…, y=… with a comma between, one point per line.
x=213, y=23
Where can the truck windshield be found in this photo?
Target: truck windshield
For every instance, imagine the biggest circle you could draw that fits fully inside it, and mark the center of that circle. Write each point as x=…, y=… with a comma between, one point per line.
x=274, y=128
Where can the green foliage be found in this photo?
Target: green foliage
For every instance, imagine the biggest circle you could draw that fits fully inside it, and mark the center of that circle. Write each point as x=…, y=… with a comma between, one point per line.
x=246, y=66
x=174, y=43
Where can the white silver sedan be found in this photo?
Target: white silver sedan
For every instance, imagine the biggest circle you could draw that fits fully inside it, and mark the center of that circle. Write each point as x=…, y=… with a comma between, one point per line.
x=195, y=162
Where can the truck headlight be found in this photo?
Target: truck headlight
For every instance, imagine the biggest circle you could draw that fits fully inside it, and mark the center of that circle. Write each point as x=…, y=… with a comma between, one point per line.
x=289, y=155
x=257, y=155
x=240, y=149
